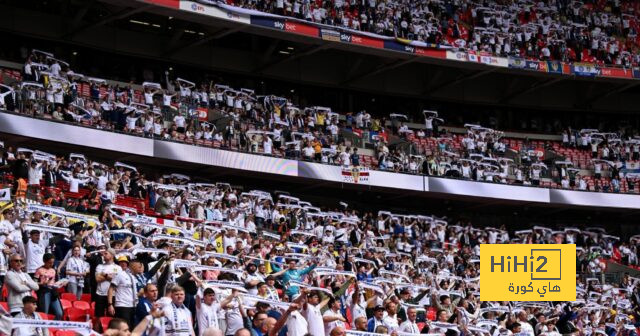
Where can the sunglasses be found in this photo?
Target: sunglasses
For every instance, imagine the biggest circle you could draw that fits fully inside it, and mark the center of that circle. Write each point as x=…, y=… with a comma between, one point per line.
x=17, y=260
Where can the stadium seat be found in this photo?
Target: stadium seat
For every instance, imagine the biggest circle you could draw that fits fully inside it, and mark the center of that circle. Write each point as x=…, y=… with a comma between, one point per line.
x=82, y=305
x=65, y=333
x=68, y=296
x=75, y=314
x=65, y=304
x=5, y=306
x=104, y=322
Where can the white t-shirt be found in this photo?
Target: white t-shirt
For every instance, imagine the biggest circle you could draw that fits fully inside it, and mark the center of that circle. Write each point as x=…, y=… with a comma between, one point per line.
x=333, y=324
x=131, y=122
x=207, y=316
x=110, y=269
x=148, y=98
x=297, y=325
x=77, y=265
x=35, y=252
x=177, y=320
x=166, y=99
x=308, y=151
x=179, y=121
x=267, y=144
x=126, y=293
x=102, y=183
x=409, y=327
x=252, y=277
x=391, y=322
x=314, y=320
x=233, y=317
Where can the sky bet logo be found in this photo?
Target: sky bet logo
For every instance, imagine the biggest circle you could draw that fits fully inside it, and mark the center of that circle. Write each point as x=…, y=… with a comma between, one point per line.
x=527, y=272
x=278, y=25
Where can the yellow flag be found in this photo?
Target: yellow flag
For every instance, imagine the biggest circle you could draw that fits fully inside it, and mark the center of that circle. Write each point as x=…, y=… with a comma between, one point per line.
x=219, y=245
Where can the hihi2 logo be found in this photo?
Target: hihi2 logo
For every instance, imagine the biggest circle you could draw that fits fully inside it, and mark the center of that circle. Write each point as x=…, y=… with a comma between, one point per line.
x=527, y=272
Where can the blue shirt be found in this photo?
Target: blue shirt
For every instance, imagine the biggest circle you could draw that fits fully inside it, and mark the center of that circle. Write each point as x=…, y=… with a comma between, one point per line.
x=295, y=275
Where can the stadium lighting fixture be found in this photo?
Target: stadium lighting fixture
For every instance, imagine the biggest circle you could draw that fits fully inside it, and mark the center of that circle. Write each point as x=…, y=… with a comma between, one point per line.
x=139, y=22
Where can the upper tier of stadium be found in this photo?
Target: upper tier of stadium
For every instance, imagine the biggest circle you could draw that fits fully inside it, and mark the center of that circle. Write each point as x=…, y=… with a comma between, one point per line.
x=601, y=32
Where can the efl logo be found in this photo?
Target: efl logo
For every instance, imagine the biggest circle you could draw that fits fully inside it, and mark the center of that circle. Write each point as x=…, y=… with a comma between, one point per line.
x=527, y=272
x=197, y=8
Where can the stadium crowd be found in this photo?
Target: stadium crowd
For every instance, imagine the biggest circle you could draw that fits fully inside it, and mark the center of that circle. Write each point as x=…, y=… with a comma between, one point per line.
x=183, y=258
x=603, y=32
x=220, y=116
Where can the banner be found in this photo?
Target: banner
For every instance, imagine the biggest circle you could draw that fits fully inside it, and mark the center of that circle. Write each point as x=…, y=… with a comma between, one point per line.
x=361, y=40
x=536, y=66
x=216, y=268
x=616, y=72
x=5, y=195
x=47, y=228
x=267, y=22
x=278, y=304
x=394, y=45
x=237, y=285
x=203, y=114
x=301, y=28
x=554, y=67
x=330, y=35
x=332, y=272
x=188, y=241
x=585, y=69
x=148, y=250
x=302, y=284
x=457, y=55
x=518, y=63
x=355, y=175
x=375, y=288
x=83, y=328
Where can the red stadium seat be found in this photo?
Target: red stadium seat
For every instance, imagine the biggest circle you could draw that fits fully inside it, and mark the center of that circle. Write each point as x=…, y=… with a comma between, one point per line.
x=82, y=305
x=68, y=296
x=65, y=333
x=75, y=314
x=65, y=304
x=104, y=322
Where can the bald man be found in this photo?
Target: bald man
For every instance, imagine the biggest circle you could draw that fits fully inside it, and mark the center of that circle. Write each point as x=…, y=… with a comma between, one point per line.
x=269, y=323
x=337, y=331
x=243, y=332
x=361, y=323
x=212, y=332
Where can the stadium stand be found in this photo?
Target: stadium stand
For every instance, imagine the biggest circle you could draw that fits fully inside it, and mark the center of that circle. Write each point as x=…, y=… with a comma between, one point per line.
x=105, y=241
x=219, y=116
x=212, y=232
x=602, y=32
